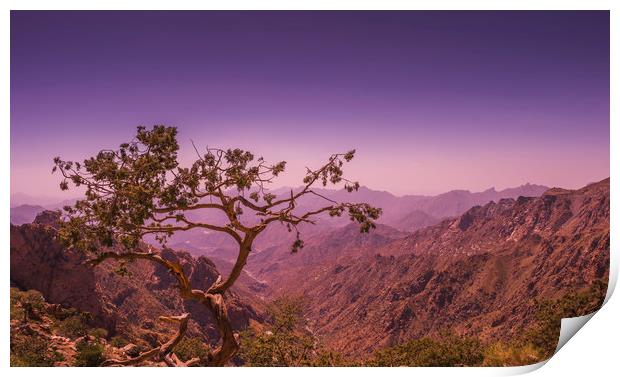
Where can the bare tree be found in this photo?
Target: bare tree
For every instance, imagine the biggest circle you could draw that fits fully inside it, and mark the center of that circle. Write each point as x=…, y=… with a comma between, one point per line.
x=140, y=189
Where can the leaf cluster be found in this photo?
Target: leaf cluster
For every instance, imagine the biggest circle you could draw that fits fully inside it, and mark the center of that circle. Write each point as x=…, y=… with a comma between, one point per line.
x=141, y=189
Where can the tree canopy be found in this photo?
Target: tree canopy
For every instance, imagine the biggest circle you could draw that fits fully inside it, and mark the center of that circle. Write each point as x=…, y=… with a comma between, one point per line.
x=141, y=189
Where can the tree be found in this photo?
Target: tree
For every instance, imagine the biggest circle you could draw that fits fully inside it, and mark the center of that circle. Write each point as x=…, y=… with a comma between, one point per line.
x=285, y=342
x=140, y=189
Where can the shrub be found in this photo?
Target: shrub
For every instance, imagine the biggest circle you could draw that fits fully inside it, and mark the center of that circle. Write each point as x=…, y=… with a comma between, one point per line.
x=539, y=341
x=22, y=299
x=65, y=313
x=72, y=327
x=286, y=341
x=98, y=333
x=118, y=341
x=29, y=351
x=544, y=333
x=89, y=354
x=445, y=351
x=326, y=358
x=188, y=348
x=503, y=354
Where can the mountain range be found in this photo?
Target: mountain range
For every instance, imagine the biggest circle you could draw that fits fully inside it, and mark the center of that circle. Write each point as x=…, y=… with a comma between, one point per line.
x=405, y=213
x=475, y=264
x=478, y=274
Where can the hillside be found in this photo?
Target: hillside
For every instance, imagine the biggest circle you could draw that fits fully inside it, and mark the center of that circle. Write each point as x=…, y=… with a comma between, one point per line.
x=126, y=301
x=480, y=274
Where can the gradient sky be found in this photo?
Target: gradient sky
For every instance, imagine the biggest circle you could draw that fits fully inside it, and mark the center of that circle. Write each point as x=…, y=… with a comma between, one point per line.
x=432, y=101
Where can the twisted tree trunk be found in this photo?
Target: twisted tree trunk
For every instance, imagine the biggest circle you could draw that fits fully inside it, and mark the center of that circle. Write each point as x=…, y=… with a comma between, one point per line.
x=229, y=346
x=213, y=301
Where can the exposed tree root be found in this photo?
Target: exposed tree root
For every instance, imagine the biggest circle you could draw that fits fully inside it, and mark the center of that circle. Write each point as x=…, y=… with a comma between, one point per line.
x=162, y=353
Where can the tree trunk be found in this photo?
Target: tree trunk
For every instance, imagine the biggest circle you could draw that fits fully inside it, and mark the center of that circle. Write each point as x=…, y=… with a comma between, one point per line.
x=229, y=346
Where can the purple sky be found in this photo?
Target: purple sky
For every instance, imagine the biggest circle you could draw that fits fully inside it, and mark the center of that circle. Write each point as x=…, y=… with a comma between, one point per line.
x=432, y=101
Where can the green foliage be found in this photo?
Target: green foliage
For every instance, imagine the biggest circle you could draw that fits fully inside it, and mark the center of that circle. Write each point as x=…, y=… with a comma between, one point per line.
x=286, y=313
x=328, y=358
x=502, y=354
x=540, y=339
x=445, y=351
x=30, y=351
x=20, y=300
x=72, y=327
x=65, y=313
x=189, y=348
x=89, y=354
x=286, y=341
x=118, y=341
x=98, y=333
x=544, y=334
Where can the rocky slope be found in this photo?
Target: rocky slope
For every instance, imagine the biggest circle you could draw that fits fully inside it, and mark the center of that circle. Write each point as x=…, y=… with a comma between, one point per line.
x=44, y=334
x=479, y=274
x=276, y=264
x=129, y=304
x=415, y=220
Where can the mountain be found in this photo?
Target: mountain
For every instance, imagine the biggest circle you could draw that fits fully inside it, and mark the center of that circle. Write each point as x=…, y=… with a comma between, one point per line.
x=276, y=264
x=474, y=264
x=479, y=274
x=454, y=203
x=19, y=198
x=415, y=220
x=127, y=305
x=451, y=203
x=25, y=213
x=405, y=213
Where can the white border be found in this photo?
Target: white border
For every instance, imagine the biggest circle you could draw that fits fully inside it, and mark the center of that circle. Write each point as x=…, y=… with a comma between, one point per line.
x=594, y=350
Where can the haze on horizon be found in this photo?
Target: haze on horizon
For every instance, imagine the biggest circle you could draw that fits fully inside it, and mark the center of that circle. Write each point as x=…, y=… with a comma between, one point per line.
x=432, y=101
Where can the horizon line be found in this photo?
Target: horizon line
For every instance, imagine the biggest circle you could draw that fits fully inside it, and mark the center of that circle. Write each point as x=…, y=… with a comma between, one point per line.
x=50, y=200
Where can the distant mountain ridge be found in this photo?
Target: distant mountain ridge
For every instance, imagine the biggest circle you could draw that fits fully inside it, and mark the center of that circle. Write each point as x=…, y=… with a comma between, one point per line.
x=450, y=203
x=25, y=213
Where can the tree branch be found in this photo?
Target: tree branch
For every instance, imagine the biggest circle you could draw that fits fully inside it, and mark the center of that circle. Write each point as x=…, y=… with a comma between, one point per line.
x=161, y=353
